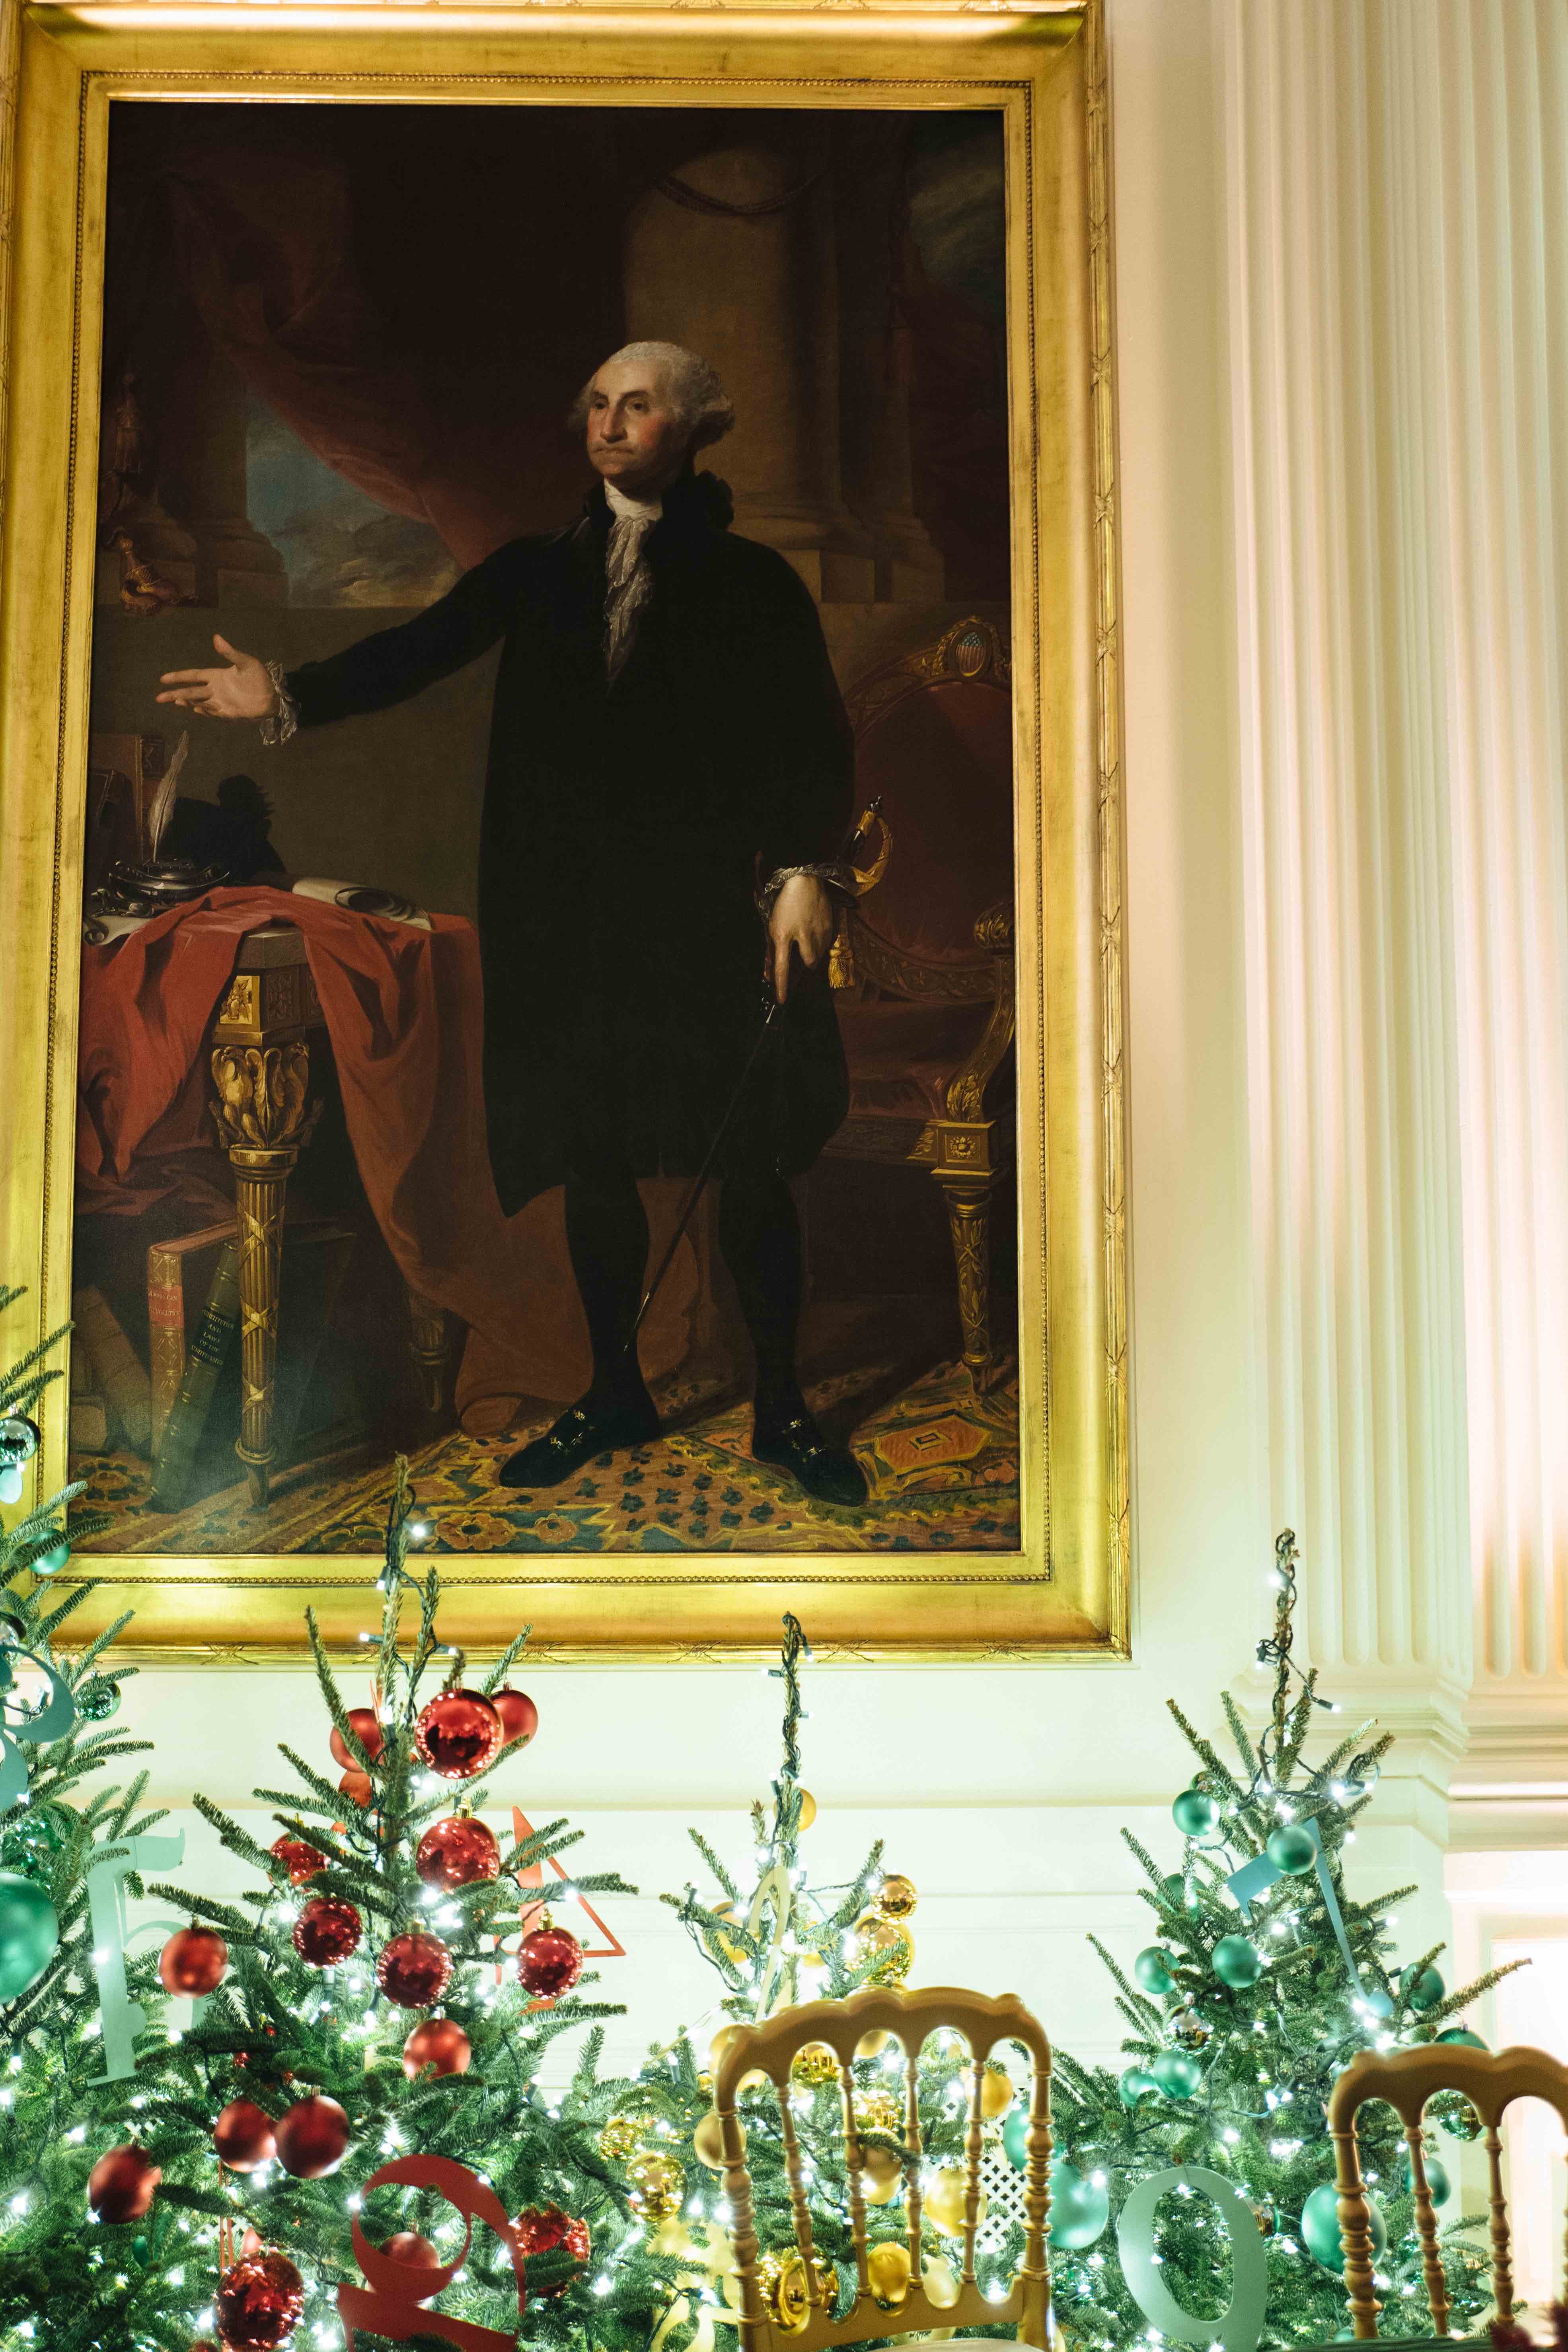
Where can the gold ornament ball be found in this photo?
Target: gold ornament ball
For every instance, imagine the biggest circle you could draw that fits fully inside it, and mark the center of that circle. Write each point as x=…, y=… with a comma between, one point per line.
x=872, y=2044
x=621, y=2138
x=888, y=2267
x=940, y=2281
x=882, y=2192
x=786, y=2293
x=881, y=2167
x=944, y=2201
x=657, y=2185
x=884, y=1946
x=995, y=2093
x=807, y=1810
x=813, y=2065
x=708, y=2141
x=896, y=1897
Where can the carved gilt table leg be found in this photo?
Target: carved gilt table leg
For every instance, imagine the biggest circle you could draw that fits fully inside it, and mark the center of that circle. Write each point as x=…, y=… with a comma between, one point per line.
x=969, y=1223
x=261, y=1074
x=430, y=1346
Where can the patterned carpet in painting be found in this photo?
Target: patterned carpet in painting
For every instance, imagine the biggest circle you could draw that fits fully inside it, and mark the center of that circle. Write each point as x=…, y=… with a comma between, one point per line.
x=941, y=1465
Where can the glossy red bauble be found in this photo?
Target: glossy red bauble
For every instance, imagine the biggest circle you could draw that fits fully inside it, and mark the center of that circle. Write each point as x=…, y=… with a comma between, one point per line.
x=548, y=1961
x=243, y=2136
x=438, y=2042
x=415, y=1968
x=260, y=2301
x=367, y=1731
x=327, y=1931
x=540, y=2229
x=301, y=1860
x=356, y=1787
x=457, y=1734
x=121, y=2184
x=408, y=2246
x=312, y=2137
x=458, y=1851
x=192, y=1961
x=519, y=1715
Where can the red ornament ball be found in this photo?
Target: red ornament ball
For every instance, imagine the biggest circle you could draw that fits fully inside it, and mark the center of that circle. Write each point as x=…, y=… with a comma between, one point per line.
x=355, y=1786
x=457, y=1734
x=367, y=1730
x=548, y=1961
x=121, y=2184
x=540, y=2229
x=258, y=2301
x=301, y=1860
x=243, y=2136
x=312, y=2137
x=519, y=1715
x=415, y=1968
x=327, y=1931
x=438, y=2042
x=251, y=2243
x=456, y=1851
x=192, y=1961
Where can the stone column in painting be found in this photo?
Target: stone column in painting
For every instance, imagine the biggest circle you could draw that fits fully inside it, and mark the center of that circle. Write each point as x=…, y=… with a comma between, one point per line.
x=202, y=479
x=730, y=252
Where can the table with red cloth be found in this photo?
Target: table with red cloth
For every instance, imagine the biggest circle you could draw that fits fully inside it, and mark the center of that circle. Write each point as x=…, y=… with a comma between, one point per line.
x=404, y=1012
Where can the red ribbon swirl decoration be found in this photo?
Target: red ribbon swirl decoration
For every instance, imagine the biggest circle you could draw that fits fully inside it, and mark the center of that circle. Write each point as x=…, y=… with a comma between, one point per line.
x=394, y=2304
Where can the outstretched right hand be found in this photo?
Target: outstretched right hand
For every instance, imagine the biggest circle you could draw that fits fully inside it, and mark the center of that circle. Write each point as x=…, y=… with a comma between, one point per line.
x=241, y=689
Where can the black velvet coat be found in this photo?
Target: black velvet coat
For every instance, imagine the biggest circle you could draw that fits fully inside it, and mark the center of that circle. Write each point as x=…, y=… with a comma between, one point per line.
x=625, y=827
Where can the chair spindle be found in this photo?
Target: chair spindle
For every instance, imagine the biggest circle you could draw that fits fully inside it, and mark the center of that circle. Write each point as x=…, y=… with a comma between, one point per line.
x=1427, y=2227
x=1502, y=2249
x=974, y=2147
x=913, y=2163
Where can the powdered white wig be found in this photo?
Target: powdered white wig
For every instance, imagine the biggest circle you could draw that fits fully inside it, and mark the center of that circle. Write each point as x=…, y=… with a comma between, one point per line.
x=698, y=398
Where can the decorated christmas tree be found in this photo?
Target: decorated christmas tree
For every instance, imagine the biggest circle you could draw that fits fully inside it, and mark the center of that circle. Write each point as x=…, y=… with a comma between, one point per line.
x=776, y=1936
x=360, y=2015
x=1263, y=1979
x=74, y=2007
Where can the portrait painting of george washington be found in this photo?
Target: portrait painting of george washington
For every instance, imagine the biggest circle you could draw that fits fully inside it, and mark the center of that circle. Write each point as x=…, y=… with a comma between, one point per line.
x=549, y=878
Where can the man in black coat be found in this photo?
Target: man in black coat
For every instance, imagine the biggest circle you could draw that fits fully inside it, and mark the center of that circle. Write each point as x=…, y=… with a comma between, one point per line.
x=668, y=790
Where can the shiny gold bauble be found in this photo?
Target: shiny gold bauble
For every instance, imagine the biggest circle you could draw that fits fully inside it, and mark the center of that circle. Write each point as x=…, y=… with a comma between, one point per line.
x=790, y=2299
x=621, y=2138
x=708, y=2143
x=872, y=2044
x=896, y=1897
x=882, y=2192
x=940, y=2281
x=813, y=2065
x=944, y=2201
x=995, y=2093
x=880, y=2166
x=878, y=2110
x=807, y=1810
x=888, y=2267
x=884, y=1947
x=657, y=2185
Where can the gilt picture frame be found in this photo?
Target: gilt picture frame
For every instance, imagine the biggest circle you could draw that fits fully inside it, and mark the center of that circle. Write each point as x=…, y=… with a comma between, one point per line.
x=1063, y=1592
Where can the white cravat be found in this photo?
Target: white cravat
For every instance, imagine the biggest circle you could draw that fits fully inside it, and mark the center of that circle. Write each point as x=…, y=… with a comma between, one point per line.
x=628, y=582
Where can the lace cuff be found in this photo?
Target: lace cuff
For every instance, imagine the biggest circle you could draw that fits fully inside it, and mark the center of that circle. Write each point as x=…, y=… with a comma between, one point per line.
x=832, y=871
x=283, y=719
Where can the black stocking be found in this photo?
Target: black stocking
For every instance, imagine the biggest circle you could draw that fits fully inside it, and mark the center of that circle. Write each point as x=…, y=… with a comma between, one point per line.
x=607, y=1234
x=759, y=1234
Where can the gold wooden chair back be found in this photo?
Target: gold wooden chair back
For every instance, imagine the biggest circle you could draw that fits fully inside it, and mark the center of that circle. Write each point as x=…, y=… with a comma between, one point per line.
x=1490, y=2079
x=770, y=2048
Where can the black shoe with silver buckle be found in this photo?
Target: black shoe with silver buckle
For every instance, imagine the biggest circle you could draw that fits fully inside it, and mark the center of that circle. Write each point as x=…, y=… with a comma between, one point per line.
x=583, y=1432
x=828, y=1474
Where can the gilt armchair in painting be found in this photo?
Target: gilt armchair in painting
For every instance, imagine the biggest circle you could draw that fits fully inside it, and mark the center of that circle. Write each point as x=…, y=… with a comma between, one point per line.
x=924, y=963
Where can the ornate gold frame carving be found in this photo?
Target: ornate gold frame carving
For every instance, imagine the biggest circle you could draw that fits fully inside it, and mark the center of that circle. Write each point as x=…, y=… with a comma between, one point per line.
x=1065, y=1594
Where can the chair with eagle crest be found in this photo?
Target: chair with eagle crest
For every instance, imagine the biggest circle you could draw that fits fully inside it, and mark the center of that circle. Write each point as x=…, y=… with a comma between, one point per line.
x=924, y=962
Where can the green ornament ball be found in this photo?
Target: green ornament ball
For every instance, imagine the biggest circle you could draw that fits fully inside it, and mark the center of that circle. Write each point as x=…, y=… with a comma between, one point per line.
x=1423, y=1988
x=1195, y=1812
x=29, y=1932
x=1079, y=2210
x=1438, y=2179
x=11, y=1483
x=1462, y=2035
x=1135, y=2086
x=1292, y=1849
x=97, y=1699
x=141, y=2251
x=1237, y=1962
x=1178, y=1893
x=1321, y=2227
x=50, y=1562
x=30, y=1836
x=1177, y=2074
x=1153, y=1971
x=1015, y=2132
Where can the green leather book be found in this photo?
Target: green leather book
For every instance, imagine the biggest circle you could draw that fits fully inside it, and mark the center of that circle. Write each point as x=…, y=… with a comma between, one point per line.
x=187, y=1418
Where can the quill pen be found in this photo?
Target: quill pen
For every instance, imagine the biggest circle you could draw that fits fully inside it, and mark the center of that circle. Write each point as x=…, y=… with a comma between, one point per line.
x=163, y=803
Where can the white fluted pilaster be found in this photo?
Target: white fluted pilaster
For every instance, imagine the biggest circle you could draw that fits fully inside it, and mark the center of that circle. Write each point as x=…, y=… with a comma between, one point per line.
x=1336, y=404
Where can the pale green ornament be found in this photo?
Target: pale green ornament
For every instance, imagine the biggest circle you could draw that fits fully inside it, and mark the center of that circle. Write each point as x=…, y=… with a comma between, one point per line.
x=1237, y=1962
x=1321, y=2227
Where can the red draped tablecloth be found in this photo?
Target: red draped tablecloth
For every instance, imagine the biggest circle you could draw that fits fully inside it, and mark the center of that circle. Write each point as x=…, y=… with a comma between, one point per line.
x=404, y=1009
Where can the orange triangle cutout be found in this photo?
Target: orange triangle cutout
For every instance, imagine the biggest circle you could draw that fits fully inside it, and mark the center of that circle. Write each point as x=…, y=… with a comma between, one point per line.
x=533, y=1875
